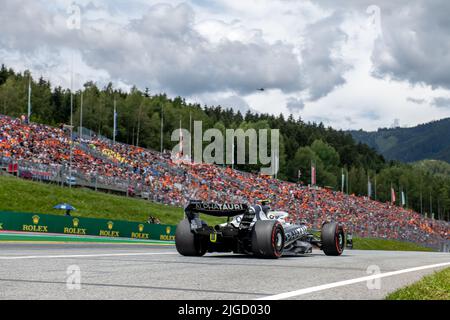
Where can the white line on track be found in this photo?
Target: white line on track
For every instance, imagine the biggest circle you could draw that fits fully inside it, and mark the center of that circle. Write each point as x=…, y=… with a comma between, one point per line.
x=88, y=255
x=300, y=292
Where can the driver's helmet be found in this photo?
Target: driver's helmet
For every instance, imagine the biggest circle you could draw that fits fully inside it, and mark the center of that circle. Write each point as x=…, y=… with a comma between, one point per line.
x=265, y=205
x=303, y=222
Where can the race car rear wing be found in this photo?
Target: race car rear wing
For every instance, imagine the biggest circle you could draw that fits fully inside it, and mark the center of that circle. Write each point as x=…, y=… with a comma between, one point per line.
x=215, y=209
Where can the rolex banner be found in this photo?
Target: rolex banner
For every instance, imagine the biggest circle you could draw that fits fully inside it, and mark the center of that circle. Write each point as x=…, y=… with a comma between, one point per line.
x=44, y=223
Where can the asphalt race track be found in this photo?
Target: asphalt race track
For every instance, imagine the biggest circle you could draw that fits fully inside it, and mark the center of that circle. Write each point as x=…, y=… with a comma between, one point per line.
x=117, y=271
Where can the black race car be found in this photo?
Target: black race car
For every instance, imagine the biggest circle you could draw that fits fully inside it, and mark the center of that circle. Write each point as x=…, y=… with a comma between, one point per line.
x=254, y=230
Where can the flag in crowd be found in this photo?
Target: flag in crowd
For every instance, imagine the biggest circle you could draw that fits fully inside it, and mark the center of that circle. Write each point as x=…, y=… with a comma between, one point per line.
x=403, y=199
x=181, y=141
x=393, y=198
x=115, y=122
x=313, y=174
x=29, y=100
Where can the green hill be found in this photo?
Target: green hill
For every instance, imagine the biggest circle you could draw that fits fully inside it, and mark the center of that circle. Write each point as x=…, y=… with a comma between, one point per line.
x=426, y=141
x=25, y=196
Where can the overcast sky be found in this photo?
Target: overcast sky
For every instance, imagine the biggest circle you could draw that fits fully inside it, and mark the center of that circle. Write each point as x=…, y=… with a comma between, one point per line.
x=351, y=64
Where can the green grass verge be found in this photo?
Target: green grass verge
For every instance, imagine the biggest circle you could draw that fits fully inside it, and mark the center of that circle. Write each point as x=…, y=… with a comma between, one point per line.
x=432, y=287
x=12, y=237
x=26, y=196
x=388, y=245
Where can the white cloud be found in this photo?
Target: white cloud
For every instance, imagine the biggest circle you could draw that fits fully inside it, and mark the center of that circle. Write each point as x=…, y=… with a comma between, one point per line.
x=326, y=60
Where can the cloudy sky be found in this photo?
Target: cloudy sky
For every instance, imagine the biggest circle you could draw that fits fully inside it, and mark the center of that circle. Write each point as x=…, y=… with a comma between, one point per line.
x=349, y=63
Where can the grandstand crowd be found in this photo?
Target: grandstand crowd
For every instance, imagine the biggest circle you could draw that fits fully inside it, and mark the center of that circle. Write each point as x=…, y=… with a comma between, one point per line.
x=175, y=182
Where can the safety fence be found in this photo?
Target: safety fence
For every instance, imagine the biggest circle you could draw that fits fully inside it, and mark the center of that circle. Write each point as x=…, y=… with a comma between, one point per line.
x=53, y=224
x=64, y=176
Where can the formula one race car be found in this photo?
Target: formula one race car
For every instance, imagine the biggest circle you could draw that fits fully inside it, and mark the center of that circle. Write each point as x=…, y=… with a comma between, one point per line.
x=254, y=230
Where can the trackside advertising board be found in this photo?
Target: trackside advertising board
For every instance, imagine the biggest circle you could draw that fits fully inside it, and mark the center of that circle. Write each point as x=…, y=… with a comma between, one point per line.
x=45, y=223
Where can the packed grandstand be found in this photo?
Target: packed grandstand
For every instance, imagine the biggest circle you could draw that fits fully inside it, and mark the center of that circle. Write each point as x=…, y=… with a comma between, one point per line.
x=37, y=151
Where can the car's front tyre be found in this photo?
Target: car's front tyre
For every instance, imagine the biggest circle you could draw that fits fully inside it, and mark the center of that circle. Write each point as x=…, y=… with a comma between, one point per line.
x=333, y=239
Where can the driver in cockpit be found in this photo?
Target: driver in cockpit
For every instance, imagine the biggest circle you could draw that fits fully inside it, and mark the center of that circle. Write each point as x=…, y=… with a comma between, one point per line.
x=265, y=206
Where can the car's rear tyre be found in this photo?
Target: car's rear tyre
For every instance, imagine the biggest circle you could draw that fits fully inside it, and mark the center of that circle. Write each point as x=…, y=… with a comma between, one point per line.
x=187, y=243
x=268, y=239
x=333, y=239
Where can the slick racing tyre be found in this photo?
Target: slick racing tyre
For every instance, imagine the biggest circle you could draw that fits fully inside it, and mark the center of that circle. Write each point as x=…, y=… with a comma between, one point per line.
x=268, y=239
x=187, y=243
x=333, y=239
